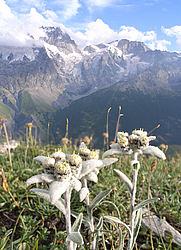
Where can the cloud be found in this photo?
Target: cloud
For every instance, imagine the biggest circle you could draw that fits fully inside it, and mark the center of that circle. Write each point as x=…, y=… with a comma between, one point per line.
x=68, y=8
x=174, y=31
x=98, y=32
x=101, y=3
x=14, y=28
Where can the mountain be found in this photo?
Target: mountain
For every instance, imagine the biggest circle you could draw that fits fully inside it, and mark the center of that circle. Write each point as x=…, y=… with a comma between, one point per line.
x=54, y=78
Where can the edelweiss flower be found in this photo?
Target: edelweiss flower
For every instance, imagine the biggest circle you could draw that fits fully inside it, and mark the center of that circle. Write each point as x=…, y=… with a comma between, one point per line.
x=137, y=142
x=64, y=175
x=93, y=155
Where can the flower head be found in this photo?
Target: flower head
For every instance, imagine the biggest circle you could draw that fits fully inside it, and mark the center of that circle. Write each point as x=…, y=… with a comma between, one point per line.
x=137, y=142
x=75, y=160
x=2, y=121
x=62, y=168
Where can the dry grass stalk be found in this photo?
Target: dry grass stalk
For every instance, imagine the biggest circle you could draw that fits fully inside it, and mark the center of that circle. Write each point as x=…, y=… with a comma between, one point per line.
x=107, y=128
x=2, y=124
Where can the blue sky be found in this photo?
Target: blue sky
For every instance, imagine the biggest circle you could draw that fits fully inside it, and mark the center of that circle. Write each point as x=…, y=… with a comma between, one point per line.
x=157, y=23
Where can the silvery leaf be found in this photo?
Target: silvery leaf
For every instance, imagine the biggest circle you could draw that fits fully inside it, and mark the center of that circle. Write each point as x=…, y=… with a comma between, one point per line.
x=115, y=146
x=137, y=225
x=92, y=177
x=89, y=166
x=44, y=160
x=76, y=237
x=77, y=223
x=155, y=151
x=117, y=220
x=98, y=199
x=144, y=203
x=57, y=188
x=125, y=179
x=109, y=161
x=84, y=192
x=75, y=184
x=60, y=204
x=112, y=152
x=40, y=178
x=85, y=220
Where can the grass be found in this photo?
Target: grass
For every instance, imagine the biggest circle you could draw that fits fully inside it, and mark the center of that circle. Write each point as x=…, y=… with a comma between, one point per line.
x=28, y=222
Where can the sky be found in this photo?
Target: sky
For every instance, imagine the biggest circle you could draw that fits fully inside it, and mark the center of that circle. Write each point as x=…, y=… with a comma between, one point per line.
x=157, y=23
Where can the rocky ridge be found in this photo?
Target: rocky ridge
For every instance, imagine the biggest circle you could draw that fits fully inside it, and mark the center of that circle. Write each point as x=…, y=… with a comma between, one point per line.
x=56, y=72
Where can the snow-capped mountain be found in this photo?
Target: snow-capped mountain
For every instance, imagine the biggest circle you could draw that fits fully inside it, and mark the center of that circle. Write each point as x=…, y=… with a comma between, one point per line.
x=54, y=72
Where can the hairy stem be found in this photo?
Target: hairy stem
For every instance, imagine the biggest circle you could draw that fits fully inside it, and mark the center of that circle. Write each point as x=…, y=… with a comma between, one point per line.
x=91, y=219
x=67, y=197
x=133, y=197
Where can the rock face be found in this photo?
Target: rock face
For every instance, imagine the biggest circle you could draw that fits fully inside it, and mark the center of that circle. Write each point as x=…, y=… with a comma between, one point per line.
x=39, y=79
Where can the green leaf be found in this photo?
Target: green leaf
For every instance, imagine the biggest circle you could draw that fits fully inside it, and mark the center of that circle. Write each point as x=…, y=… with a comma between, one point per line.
x=98, y=199
x=36, y=245
x=137, y=226
x=76, y=237
x=100, y=224
x=116, y=220
x=85, y=220
x=144, y=203
x=120, y=240
x=77, y=223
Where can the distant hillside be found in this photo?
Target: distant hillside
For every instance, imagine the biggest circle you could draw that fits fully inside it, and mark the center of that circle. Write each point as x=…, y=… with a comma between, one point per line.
x=141, y=109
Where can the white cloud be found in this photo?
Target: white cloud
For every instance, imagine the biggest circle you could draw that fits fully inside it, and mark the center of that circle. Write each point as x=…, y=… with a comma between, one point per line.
x=14, y=28
x=174, y=31
x=68, y=8
x=101, y=3
x=98, y=32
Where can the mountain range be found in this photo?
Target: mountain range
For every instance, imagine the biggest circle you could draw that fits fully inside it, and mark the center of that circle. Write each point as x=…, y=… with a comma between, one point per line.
x=54, y=79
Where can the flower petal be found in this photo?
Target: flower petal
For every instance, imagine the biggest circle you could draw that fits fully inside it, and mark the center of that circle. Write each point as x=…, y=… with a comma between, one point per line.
x=75, y=184
x=125, y=179
x=89, y=166
x=92, y=177
x=115, y=146
x=84, y=192
x=60, y=204
x=154, y=151
x=40, y=178
x=44, y=160
x=57, y=188
x=109, y=161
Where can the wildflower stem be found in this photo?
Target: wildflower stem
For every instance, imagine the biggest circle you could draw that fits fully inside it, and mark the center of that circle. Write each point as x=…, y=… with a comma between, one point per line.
x=117, y=124
x=67, y=196
x=107, y=129
x=133, y=196
x=91, y=219
x=7, y=140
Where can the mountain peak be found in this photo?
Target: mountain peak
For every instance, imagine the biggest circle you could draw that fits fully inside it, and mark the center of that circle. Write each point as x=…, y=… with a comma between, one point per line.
x=55, y=36
x=135, y=47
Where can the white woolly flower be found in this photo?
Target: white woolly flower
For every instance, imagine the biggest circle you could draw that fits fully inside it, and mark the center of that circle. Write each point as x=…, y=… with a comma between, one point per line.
x=122, y=139
x=45, y=161
x=93, y=155
x=144, y=141
x=58, y=155
x=62, y=168
x=137, y=142
x=75, y=160
x=65, y=177
x=124, y=142
x=83, y=150
x=139, y=132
